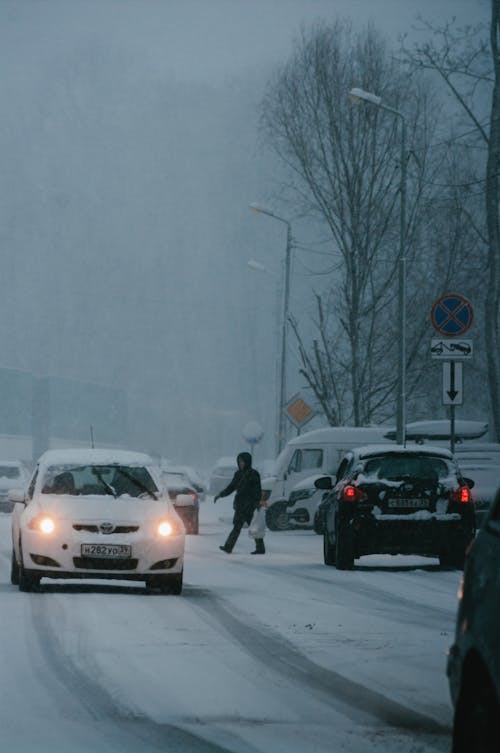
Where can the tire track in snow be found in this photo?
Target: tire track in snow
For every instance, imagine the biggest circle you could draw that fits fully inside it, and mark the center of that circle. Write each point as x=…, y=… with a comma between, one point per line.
x=133, y=731
x=278, y=654
x=404, y=610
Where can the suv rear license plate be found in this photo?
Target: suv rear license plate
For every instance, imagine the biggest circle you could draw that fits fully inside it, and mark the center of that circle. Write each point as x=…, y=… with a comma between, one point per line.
x=413, y=503
x=106, y=550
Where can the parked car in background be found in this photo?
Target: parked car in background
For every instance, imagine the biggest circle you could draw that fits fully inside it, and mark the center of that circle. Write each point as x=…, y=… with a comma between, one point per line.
x=474, y=658
x=481, y=462
x=12, y=474
x=221, y=474
x=302, y=505
x=397, y=500
x=96, y=514
x=184, y=499
x=193, y=478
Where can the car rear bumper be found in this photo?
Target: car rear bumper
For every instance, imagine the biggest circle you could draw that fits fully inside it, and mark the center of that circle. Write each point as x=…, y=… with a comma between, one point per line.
x=426, y=537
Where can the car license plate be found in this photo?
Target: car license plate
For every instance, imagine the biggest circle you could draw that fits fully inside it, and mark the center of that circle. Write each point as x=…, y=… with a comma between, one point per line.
x=408, y=503
x=106, y=550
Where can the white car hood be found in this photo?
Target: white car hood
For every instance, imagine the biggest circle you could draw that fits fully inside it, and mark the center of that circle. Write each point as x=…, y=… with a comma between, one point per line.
x=99, y=507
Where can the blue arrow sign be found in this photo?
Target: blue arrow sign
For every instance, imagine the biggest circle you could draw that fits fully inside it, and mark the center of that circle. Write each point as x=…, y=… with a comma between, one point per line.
x=452, y=315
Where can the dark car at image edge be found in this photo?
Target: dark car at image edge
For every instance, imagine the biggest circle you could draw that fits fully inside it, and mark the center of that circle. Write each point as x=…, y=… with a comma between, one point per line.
x=474, y=658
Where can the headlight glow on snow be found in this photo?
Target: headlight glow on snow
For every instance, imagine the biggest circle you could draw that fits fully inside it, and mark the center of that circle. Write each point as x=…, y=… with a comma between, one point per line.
x=165, y=528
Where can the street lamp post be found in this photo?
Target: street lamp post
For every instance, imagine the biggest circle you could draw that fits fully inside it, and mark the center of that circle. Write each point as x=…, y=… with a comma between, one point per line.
x=359, y=95
x=281, y=421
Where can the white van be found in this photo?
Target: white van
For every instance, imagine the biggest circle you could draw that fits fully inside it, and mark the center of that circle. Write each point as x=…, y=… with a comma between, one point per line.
x=315, y=452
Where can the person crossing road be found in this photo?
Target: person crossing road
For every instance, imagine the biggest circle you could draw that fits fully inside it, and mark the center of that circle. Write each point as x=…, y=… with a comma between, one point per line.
x=246, y=484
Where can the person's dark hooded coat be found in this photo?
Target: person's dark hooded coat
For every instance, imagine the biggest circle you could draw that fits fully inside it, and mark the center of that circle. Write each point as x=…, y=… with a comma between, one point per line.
x=246, y=484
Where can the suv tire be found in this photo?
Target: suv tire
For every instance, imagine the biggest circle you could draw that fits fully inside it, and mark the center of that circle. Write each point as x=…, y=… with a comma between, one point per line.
x=453, y=558
x=475, y=724
x=344, y=555
x=328, y=550
x=14, y=570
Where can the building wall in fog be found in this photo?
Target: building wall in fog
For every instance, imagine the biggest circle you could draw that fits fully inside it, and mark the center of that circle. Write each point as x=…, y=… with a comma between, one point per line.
x=41, y=412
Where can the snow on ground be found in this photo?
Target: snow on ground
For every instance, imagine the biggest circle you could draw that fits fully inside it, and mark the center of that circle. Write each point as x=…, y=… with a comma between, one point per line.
x=273, y=654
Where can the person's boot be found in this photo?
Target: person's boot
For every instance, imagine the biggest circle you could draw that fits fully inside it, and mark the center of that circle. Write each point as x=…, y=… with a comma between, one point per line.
x=259, y=547
x=231, y=540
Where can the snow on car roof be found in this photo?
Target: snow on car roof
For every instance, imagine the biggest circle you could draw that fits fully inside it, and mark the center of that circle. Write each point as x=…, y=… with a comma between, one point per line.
x=440, y=429
x=340, y=434
x=78, y=456
x=368, y=450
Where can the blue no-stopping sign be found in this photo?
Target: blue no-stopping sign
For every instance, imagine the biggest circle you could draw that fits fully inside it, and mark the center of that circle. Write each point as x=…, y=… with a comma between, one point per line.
x=452, y=315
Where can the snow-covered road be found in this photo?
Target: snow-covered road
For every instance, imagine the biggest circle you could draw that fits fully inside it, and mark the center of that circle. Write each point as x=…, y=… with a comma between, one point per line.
x=274, y=654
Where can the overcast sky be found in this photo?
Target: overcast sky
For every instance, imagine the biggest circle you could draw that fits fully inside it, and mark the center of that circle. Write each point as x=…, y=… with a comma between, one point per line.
x=129, y=154
x=204, y=39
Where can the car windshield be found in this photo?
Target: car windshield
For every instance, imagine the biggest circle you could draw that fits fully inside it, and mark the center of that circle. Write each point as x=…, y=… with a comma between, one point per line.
x=396, y=467
x=115, y=480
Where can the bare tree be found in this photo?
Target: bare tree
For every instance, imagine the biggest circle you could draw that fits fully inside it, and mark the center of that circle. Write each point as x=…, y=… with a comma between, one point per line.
x=345, y=165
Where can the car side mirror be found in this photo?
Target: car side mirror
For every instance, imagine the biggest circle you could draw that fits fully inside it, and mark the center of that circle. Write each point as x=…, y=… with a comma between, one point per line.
x=325, y=482
x=470, y=483
x=16, y=495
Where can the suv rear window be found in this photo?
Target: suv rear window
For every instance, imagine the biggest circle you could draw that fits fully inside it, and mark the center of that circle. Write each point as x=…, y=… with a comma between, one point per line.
x=407, y=466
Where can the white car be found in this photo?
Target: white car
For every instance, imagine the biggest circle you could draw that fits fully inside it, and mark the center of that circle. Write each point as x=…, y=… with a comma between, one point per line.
x=303, y=503
x=96, y=514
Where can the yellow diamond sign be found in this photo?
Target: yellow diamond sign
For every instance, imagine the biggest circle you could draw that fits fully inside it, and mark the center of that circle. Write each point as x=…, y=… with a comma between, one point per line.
x=298, y=411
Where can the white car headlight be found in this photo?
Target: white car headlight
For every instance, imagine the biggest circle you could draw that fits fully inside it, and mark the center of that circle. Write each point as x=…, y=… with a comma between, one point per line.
x=43, y=524
x=168, y=528
x=165, y=528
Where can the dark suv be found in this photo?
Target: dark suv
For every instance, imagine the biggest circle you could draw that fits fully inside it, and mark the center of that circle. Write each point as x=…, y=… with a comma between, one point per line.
x=474, y=658
x=397, y=500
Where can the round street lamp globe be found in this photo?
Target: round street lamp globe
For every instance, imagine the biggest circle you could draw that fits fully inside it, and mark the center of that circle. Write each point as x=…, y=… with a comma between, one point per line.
x=253, y=432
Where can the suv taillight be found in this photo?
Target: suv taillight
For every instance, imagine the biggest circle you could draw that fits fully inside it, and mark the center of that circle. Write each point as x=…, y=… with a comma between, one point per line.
x=352, y=494
x=462, y=494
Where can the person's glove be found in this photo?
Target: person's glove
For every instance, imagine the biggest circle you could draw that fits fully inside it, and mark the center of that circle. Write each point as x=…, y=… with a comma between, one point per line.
x=217, y=496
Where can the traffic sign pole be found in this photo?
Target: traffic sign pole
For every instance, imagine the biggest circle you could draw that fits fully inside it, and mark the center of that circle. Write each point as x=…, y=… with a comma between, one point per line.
x=453, y=393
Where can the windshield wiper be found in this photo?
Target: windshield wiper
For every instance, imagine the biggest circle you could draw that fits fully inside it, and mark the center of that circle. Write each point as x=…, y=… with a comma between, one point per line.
x=137, y=483
x=105, y=484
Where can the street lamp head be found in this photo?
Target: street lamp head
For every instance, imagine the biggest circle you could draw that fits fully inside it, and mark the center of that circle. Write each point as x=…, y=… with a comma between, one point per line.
x=357, y=96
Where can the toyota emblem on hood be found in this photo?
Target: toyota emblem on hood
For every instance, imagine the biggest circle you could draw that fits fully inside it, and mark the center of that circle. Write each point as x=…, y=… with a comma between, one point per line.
x=106, y=527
